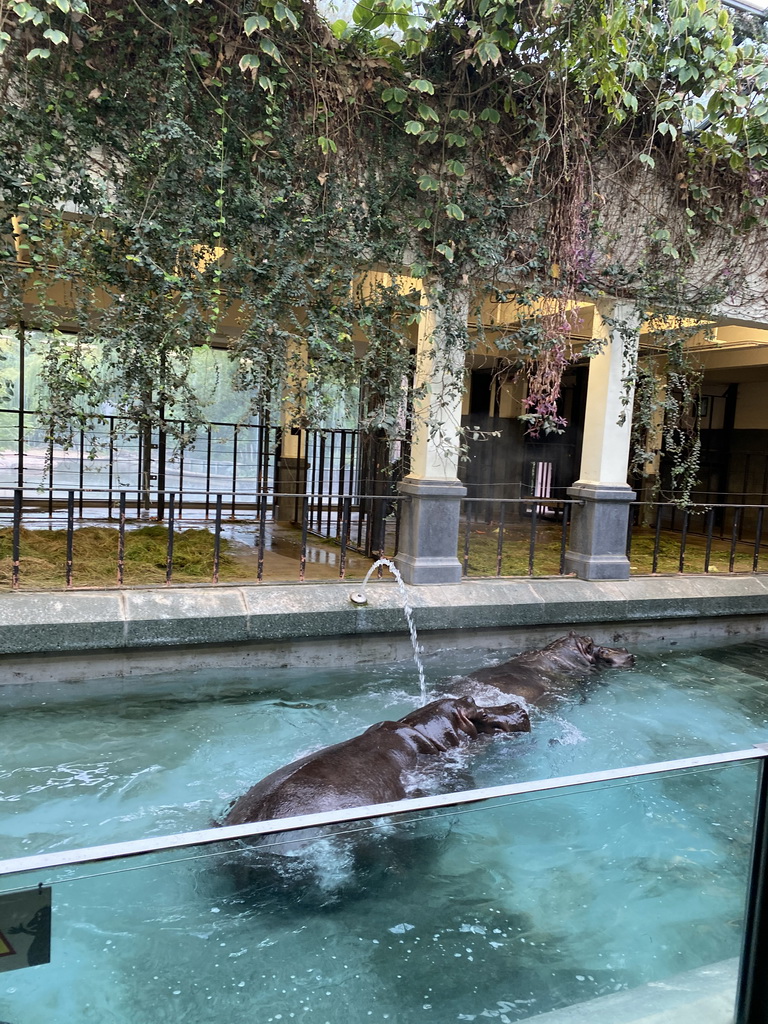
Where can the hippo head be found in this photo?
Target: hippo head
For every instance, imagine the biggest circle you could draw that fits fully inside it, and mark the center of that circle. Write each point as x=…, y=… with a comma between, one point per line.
x=602, y=657
x=511, y=717
x=445, y=723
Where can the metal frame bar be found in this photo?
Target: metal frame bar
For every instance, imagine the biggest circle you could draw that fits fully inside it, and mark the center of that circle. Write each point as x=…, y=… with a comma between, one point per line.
x=205, y=837
x=752, y=986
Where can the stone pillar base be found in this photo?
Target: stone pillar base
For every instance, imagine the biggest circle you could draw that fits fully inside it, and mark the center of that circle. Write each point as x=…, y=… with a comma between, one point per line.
x=597, y=547
x=429, y=531
x=290, y=479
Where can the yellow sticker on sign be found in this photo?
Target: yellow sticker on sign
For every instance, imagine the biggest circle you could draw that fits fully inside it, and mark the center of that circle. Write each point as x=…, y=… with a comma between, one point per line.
x=6, y=949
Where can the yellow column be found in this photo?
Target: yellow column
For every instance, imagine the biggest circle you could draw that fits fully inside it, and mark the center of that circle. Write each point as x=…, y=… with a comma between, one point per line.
x=598, y=536
x=429, y=524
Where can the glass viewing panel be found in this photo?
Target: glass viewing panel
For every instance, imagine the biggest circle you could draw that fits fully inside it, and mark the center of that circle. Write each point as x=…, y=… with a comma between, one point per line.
x=501, y=910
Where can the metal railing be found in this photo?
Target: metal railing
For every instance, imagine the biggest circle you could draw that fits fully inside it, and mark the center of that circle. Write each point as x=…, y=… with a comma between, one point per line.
x=700, y=539
x=504, y=536
x=353, y=523
x=752, y=984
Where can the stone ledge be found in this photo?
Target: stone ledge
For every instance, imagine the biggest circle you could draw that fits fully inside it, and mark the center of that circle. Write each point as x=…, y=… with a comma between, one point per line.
x=84, y=621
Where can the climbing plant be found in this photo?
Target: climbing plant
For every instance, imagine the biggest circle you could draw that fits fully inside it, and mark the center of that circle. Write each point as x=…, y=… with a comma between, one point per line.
x=187, y=173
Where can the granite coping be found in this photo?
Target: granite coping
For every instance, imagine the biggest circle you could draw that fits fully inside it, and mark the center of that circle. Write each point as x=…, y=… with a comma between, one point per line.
x=99, y=620
x=702, y=996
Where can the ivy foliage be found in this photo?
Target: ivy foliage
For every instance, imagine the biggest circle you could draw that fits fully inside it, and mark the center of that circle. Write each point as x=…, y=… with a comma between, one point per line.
x=191, y=170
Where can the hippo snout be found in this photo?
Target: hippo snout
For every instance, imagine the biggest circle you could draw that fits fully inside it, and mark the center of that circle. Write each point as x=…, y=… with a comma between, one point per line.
x=504, y=718
x=614, y=657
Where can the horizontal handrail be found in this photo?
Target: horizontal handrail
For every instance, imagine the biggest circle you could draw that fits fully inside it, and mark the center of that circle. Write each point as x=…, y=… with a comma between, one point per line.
x=250, y=830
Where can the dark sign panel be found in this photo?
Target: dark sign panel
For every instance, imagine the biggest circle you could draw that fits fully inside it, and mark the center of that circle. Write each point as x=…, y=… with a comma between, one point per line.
x=25, y=928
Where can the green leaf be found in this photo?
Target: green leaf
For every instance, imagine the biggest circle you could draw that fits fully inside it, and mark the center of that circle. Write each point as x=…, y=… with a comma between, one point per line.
x=490, y=114
x=487, y=52
x=414, y=127
x=339, y=27
x=446, y=250
x=38, y=52
x=427, y=183
x=271, y=50
x=460, y=114
x=428, y=113
x=255, y=23
x=648, y=160
x=283, y=13
x=454, y=211
x=55, y=36
x=456, y=167
x=422, y=85
x=326, y=145
x=250, y=62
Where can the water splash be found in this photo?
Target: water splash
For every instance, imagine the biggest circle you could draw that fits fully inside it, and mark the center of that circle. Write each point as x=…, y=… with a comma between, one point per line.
x=361, y=599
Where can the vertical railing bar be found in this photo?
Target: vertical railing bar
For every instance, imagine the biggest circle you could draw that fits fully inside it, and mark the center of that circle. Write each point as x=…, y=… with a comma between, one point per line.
x=500, y=544
x=140, y=456
x=752, y=982
x=70, y=534
x=656, y=541
x=683, y=540
x=708, y=548
x=81, y=476
x=22, y=334
x=169, y=556
x=234, y=471
x=758, y=539
x=564, y=535
x=734, y=538
x=346, y=518
x=467, y=530
x=318, y=491
x=208, y=474
x=340, y=512
x=181, y=473
x=16, y=539
x=303, y=436
x=262, y=536
x=216, y=534
x=111, y=465
x=332, y=488
x=121, y=540
x=304, y=523
x=50, y=475
x=532, y=541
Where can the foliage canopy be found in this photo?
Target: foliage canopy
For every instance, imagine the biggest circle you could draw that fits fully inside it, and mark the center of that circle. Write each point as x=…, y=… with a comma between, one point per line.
x=209, y=163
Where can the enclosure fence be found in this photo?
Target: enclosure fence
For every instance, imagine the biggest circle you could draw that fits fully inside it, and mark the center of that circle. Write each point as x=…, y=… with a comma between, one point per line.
x=83, y=866
x=301, y=533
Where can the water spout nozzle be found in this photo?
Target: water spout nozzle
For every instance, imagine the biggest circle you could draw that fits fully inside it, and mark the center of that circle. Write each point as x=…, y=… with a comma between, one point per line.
x=358, y=598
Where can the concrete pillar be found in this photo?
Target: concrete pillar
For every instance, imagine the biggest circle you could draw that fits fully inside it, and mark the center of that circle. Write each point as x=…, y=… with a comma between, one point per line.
x=598, y=536
x=429, y=518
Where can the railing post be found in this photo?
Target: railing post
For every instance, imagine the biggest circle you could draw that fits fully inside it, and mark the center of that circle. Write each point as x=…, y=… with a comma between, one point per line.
x=18, y=495
x=752, y=988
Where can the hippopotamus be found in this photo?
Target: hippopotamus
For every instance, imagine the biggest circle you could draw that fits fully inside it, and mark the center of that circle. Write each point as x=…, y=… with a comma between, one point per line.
x=553, y=670
x=370, y=768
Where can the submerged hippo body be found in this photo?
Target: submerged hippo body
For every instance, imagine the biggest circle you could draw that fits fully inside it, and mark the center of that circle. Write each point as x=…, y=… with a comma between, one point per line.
x=370, y=768
x=554, y=670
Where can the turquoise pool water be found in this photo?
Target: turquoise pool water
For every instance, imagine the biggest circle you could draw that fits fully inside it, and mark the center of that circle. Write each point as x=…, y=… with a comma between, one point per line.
x=499, y=912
